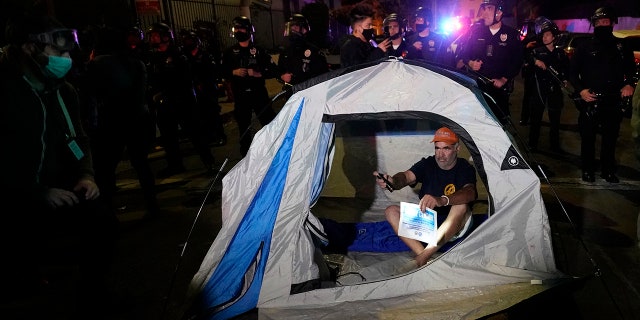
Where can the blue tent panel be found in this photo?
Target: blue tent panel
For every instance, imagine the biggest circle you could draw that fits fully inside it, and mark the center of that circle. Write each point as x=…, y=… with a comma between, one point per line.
x=226, y=293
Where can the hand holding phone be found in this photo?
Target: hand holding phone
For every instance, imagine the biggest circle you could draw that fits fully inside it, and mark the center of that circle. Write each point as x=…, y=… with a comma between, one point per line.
x=389, y=185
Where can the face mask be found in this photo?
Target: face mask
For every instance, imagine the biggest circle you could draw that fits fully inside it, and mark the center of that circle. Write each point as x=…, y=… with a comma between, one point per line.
x=241, y=36
x=57, y=67
x=421, y=27
x=367, y=34
x=603, y=31
x=295, y=36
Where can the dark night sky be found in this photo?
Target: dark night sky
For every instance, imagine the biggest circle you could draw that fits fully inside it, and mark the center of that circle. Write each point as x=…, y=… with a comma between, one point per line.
x=581, y=9
x=79, y=13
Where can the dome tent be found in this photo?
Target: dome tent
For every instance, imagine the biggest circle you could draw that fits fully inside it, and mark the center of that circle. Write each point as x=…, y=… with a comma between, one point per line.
x=265, y=251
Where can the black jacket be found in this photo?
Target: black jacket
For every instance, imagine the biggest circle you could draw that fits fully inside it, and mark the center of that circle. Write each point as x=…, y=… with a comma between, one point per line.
x=251, y=57
x=355, y=51
x=501, y=53
x=303, y=59
x=602, y=65
x=34, y=134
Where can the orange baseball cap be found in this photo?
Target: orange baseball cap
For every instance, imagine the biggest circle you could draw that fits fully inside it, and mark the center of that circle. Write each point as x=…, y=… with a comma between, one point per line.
x=445, y=134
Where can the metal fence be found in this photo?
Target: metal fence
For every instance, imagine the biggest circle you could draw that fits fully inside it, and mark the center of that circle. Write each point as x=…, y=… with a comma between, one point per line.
x=181, y=14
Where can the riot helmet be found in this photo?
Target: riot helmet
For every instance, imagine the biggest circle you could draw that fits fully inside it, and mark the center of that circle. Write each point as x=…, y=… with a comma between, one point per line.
x=296, y=20
x=242, y=22
x=189, y=40
x=160, y=33
x=423, y=18
x=543, y=25
x=135, y=36
x=602, y=13
x=205, y=30
x=393, y=17
x=499, y=4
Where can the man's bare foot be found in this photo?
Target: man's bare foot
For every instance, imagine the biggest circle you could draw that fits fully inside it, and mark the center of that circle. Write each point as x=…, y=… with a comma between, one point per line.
x=424, y=256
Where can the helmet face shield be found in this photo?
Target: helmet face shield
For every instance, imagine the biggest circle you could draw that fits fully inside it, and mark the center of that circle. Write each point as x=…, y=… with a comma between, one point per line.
x=543, y=24
x=499, y=4
x=61, y=39
x=242, y=22
x=160, y=33
x=293, y=27
x=604, y=13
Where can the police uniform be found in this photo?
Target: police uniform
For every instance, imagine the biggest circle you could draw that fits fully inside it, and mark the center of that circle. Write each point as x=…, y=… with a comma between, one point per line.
x=432, y=46
x=528, y=44
x=603, y=65
x=547, y=93
x=250, y=93
x=303, y=59
x=401, y=51
x=501, y=55
x=205, y=71
x=171, y=78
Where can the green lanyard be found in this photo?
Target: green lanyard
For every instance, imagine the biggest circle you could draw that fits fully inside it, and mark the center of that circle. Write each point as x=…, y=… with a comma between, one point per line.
x=66, y=115
x=72, y=129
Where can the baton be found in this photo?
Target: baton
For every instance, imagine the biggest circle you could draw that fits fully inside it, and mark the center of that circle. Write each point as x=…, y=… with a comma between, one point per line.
x=484, y=79
x=556, y=76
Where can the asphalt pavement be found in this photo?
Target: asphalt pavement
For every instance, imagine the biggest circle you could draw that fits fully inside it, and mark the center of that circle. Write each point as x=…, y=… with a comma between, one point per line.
x=594, y=227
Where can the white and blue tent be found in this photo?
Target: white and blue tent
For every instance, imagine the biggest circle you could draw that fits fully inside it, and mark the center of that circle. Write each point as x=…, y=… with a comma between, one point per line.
x=265, y=255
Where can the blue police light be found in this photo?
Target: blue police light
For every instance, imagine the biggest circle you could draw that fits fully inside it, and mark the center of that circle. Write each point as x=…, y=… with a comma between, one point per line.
x=450, y=25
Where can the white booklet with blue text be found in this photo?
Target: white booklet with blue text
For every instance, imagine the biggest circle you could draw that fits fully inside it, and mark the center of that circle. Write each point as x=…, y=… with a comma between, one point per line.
x=418, y=225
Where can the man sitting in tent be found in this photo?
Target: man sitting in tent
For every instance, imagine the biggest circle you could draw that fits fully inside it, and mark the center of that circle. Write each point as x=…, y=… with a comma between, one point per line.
x=448, y=186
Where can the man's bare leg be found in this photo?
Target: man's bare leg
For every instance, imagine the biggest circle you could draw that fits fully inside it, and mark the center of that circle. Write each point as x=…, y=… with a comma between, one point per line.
x=457, y=218
x=392, y=213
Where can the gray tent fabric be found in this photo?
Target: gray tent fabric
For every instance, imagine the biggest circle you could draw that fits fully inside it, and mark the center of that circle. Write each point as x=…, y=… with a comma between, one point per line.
x=295, y=155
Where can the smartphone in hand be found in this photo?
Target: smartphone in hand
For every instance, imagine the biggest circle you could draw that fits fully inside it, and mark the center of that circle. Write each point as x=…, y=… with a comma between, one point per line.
x=389, y=186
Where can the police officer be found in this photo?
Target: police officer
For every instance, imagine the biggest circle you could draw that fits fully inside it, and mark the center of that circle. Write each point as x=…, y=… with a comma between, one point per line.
x=137, y=46
x=116, y=83
x=494, y=52
x=205, y=70
x=425, y=44
x=172, y=92
x=247, y=66
x=529, y=42
x=601, y=71
x=300, y=59
x=394, y=28
x=550, y=70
